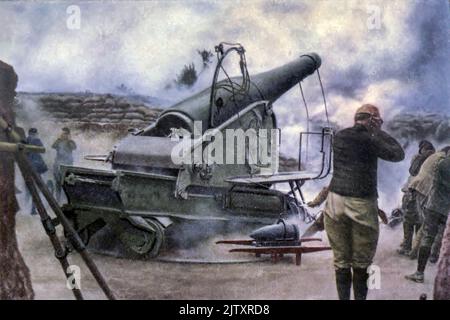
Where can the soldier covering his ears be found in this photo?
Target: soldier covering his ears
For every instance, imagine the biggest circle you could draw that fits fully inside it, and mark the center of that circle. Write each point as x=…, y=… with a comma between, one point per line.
x=351, y=210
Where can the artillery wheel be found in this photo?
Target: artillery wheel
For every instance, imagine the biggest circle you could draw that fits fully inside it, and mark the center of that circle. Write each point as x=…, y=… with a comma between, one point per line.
x=143, y=244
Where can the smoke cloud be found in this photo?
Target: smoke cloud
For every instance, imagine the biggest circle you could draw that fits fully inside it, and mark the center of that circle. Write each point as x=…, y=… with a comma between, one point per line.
x=393, y=54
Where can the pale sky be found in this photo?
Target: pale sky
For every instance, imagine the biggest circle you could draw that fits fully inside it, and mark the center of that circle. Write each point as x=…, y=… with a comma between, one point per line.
x=391, y=53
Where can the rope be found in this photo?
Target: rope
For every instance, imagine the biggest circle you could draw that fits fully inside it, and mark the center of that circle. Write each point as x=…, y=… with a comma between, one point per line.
x=323, y=96
x=307, y=121
x=240, y=89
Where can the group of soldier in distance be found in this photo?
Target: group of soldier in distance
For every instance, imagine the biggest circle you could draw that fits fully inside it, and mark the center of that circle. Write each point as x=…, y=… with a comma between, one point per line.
x=351, y=210
x=64, y=147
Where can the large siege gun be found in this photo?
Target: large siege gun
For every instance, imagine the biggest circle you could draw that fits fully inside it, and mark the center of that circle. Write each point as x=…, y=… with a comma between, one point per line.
x=147, y=198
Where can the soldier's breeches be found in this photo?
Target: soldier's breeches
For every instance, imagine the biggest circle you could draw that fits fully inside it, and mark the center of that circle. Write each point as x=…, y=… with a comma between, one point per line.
x=417, y=240
x=430, y=229
x=420, y=207
x=436, y=248
x=414, y=207
x=408, y=233
x=353, y=244
x=431, y=226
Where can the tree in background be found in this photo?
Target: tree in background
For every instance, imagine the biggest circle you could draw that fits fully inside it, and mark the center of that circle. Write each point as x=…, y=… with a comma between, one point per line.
x=206, y=57
x=15, y=282
x=187, y=77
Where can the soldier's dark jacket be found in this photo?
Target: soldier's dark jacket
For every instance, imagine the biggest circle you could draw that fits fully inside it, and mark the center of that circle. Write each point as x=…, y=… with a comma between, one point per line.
x=64, y=149
x=355, y=161
x=36, y=160
x=439, y=200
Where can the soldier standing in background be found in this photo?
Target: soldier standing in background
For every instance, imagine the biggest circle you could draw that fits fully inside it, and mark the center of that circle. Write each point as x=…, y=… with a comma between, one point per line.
x=413, y=218
x=426, y=149
x=420, y=187
x=351, y=212
x=36, y=160
x=436, y=209
x=64, y=147
x=15, y=282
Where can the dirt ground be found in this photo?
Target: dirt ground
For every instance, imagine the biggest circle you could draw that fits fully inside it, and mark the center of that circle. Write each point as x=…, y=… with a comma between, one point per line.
x=130, y=279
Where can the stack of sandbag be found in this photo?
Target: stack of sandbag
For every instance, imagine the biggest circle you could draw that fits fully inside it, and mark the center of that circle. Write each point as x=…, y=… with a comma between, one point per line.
x=90, y=111
x=420, y=126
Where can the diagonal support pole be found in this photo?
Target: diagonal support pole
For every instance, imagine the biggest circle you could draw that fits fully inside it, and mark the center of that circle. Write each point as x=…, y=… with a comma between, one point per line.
x=35, y=183
x=60, y=251
x=72, y=235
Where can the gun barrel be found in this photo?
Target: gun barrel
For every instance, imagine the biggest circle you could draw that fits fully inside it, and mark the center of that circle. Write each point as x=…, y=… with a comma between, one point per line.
x=276, y=82
x=269, y=85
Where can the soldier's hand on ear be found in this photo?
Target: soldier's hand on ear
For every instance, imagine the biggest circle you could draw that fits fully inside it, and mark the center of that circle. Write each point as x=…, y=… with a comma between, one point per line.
x=376, y=123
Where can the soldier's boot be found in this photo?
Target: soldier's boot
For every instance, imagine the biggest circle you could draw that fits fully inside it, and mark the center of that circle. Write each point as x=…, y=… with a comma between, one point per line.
x=418, y=276
x=408, y=233
x=360, y=288
x=402, y=245
x=436, y=248
x=344, y=283
x=413, y=254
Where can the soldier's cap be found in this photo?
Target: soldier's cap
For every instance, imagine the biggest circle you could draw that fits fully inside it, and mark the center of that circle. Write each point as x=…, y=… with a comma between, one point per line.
x=425, y=144
x=368, y=109
x=32, y=131
x=66, y=130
